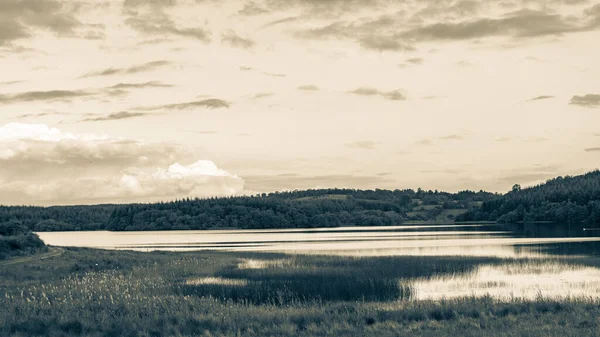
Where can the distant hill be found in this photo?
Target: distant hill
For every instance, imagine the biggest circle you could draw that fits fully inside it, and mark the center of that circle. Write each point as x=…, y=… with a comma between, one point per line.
x=569, y=199
x=298, y=209
x=563, y=200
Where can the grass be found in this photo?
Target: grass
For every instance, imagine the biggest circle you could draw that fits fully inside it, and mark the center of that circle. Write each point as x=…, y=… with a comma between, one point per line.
x=88, y=292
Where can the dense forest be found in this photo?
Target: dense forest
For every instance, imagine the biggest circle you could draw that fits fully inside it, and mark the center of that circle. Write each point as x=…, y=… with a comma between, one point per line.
x=18, y=240
x=297, y=209
x=570, y=199
x=309, y=208
x=563, y=200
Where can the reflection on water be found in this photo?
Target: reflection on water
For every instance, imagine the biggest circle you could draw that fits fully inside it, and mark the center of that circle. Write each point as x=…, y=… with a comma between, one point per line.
x=469, y=240
x=515, y=280
x=532, y=269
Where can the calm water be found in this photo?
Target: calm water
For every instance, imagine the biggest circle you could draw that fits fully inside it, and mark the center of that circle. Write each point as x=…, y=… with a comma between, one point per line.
x=470, y=240
x=539, y=256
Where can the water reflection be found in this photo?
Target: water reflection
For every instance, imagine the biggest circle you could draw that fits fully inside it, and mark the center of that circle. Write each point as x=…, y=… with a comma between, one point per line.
x=515, y=281
x=465, y=240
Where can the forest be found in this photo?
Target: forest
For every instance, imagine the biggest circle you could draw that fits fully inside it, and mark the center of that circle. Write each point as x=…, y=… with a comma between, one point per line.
x=569, y=199
x=295, y=209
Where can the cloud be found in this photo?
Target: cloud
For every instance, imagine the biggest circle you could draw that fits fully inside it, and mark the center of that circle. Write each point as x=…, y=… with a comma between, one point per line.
x=269, y=183
x=368, y=36
x=452, y=137
x=503, y=139
x=366, y=145
x=50, y=95
x=244, y=68
x=19, y=17
x=308, y=87
x=251, y=9
x=526, y=178
x=280, y=21
x=589, y=100
x=116, y=116
x=593, y=149
x=273, y=74
x=44, y=165
x=42, y=114
x=538, y=98
x=236, y=41
x=415, y=60
x=150, y=84
x=155, y=22
x=394, y=95
x=522, y=23
x=211, y=103
x=130, y=70
x=262, y=95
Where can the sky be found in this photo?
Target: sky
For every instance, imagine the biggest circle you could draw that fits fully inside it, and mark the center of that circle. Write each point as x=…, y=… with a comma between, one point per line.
x=145, y=100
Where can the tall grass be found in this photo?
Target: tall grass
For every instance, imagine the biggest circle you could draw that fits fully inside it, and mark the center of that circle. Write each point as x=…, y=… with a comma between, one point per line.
x=102, y=293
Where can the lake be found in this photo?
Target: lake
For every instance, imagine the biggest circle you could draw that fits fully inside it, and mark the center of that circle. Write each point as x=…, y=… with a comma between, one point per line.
x=541, y=259
x=470, y=240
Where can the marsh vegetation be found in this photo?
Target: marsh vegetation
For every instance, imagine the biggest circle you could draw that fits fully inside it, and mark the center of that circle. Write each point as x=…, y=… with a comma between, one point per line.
x=113, y=293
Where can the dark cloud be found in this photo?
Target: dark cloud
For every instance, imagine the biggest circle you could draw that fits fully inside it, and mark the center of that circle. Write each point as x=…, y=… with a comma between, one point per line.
x=382, y=174
x=589, y=100
x=244, y=68
x=384, y=43
x=538, y=98
x=251, y=9
x=593, y=149
x=309, y=87
x=149, y=17
x=366, y=145
x=523, y=23
x=115, y=116
x=367, y=36
x=394, y=95
x=211, y=103
x=42, y=96
x=150, y=84
x=19, y=17
x=234, y=40
x=129, y=70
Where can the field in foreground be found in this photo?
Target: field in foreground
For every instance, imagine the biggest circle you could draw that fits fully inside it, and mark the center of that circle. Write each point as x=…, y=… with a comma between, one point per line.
x=116, y=293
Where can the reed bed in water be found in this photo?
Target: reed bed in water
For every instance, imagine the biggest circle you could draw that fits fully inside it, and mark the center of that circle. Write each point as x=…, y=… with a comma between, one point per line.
x=102, y=293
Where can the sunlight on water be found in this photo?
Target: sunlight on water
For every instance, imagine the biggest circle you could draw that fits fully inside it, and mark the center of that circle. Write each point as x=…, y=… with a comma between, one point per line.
x=464, y=240
x=216, y=281
x=515, y=280
x=262, y=264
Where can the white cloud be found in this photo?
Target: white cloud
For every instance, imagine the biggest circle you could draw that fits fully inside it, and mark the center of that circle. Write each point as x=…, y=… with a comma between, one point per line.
x=43, y=165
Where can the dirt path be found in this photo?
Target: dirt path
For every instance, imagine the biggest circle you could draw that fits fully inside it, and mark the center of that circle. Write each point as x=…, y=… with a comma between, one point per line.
x=52, y=252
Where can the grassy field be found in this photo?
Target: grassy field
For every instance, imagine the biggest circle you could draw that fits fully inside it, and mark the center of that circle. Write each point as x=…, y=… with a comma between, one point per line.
x=86, y=292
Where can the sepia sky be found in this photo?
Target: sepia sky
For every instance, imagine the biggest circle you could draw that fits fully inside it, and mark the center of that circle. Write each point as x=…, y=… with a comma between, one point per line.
x=145, y=100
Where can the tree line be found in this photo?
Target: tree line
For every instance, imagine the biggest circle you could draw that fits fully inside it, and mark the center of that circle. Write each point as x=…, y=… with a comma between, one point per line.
x=569, y=199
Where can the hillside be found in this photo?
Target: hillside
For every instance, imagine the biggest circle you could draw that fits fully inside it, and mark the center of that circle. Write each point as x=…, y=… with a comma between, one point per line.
x=18, y=240
x=570, y=199
x=297, y=209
